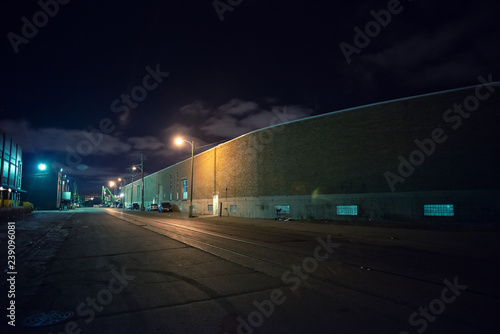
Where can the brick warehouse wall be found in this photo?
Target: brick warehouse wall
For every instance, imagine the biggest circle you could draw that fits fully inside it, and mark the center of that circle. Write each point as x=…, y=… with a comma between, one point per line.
x=317, y=163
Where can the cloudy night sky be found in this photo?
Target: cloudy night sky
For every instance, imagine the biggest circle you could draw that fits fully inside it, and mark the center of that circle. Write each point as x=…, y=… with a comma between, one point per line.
x=146, y=71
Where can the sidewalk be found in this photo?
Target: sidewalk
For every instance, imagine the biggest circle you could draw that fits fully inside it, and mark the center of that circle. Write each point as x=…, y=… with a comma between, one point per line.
x=13, y=213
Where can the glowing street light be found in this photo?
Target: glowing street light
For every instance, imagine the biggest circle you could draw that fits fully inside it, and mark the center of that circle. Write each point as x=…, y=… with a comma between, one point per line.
x=179, y=141
x=42, y=167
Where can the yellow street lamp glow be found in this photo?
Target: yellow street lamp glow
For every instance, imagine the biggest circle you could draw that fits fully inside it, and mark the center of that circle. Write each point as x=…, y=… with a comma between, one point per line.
x=179, y=141
x=111, y=184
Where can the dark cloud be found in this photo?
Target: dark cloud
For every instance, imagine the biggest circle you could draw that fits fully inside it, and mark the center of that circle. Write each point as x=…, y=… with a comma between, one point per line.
x=148, y=143
x=34, y=139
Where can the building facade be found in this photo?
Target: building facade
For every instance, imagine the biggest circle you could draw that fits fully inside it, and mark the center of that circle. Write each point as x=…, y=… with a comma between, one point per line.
x=430, y=157
x=11, y=171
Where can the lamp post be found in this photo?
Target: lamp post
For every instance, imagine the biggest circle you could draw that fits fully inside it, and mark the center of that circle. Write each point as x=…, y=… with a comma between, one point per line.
x=179, y=142
x=141, y=166
x=122, y=195
x=59, y=189
x=111, y=185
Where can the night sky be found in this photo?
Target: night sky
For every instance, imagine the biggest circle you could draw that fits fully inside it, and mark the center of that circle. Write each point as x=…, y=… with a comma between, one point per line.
x=97, y=83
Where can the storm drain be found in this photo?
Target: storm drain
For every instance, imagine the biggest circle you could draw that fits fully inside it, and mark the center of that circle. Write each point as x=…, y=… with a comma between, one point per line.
x=47, y=318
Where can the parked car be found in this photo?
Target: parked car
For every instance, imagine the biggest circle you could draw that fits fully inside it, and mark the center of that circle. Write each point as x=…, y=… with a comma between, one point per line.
x=165, y=207
x=133, y=206
x=153, y=207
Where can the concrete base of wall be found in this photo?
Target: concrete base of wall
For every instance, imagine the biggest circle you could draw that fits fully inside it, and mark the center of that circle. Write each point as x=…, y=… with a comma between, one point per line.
x=469, y=206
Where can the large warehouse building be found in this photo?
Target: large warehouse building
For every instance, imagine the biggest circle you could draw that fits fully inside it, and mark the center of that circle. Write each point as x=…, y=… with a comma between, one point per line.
x=430, y=157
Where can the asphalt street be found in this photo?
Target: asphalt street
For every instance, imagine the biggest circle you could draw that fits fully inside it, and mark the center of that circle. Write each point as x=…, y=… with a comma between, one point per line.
x=114, y=271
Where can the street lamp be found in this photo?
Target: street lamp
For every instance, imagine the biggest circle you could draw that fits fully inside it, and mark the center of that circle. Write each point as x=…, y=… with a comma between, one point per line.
x=113, y=194
x=179, y=142
x=122, y=195
x=59, y=189
x=42, y=167
x=141, y=167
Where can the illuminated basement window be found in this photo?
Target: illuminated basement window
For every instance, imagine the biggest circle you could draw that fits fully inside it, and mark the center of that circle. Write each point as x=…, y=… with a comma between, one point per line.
x=210, y=208
x=347, y=210
x=232, y=208
x=438, y=210
x=284, y=209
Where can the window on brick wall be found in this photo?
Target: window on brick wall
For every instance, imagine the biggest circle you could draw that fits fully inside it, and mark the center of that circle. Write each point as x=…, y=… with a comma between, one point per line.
x=283, y=209
x=233, y=208
x=170, y=177
x=184, y=189
x=347, y=210
x=210, y=208
x=439, y=210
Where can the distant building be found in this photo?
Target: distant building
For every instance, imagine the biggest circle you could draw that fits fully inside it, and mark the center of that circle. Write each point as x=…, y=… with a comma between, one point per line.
x=429, y=157
x=11, y=171
x=90, y=197
x=41, y=189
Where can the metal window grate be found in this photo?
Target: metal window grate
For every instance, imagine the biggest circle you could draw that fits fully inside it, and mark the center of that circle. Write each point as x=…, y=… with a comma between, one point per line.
x=347, y=210
x=443, y=210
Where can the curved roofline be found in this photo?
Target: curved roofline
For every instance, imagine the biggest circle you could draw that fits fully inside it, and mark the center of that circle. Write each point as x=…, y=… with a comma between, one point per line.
x=495, y=83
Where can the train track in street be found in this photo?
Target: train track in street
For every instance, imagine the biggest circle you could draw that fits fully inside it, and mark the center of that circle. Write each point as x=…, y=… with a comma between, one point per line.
x=332, y=277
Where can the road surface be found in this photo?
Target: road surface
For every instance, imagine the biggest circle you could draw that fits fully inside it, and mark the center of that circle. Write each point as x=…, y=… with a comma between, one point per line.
x=114, y=271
